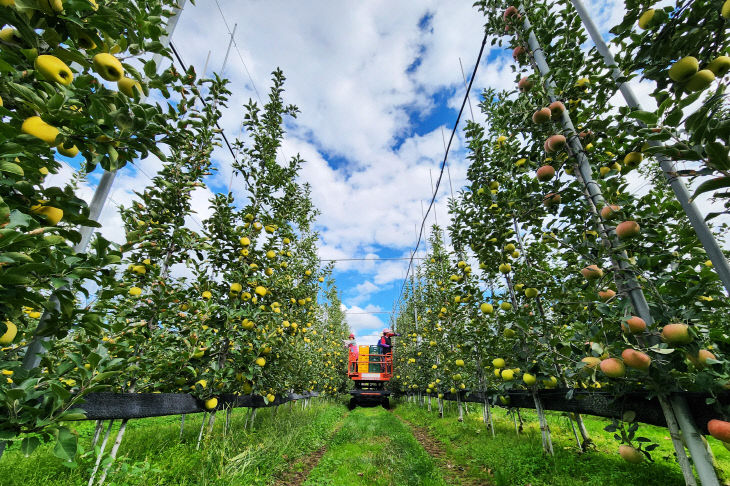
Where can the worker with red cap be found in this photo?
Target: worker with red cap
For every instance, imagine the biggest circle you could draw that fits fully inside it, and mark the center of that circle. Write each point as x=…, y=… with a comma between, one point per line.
x=353, y=352
x=385, y=348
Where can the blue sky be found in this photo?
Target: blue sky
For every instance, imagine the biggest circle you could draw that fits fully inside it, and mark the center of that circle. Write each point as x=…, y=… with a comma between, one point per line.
x=378, y=84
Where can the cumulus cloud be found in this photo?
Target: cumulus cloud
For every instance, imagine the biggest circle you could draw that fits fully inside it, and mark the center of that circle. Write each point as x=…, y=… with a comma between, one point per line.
x=377, y=84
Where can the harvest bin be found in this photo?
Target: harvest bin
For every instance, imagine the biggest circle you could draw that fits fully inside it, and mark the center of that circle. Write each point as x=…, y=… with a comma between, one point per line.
x=363, y=358
x=374, y=368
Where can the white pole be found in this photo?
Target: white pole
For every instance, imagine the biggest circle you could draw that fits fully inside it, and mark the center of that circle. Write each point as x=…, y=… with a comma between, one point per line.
x=714, y=252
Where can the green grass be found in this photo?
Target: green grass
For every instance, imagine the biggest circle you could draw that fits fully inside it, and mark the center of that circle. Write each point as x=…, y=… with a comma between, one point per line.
x=151, y=452
x=510, y=460
x=374, y=448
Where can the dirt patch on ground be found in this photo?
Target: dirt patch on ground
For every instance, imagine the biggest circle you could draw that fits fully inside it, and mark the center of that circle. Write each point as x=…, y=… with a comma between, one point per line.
x=299, y=470
x=453, y=473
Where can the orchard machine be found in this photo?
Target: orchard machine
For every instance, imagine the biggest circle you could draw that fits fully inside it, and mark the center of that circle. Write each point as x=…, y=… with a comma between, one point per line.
x=370, y=371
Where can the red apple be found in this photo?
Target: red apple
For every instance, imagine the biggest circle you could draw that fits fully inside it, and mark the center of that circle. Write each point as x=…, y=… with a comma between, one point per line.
x=555, y=143
x=719, y=429
x=551, y=199
x=613, y=368
x=627, y=230
x=704, y=355
x=630, y=454
x=518, y=52
x=510, y=11
x=606, y=295
x=541, y=116
x=636, y=359
x=633, y=325
x=609, y=211
x=592, y=272
x=524, y=85
x=545, y=173
x=676, y=334
x=556, y=108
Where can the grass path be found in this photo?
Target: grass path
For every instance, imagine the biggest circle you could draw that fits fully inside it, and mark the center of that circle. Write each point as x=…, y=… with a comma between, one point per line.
x=299, y=470
x=509, y=460
x=153, y=454
x=374, y=448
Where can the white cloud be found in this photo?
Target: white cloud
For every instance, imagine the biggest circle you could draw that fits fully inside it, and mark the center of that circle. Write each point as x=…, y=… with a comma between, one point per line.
x=347, y=65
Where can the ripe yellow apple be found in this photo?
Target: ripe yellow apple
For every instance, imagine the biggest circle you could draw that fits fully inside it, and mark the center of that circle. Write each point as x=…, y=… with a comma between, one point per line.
x=531, y=293
x=505, y=268
x=245, y=241
x=38, y=128
x=529, y=379
x=498, y=363
x=725, y=11
x=108, y=67
x=51, y=214
x=135, y=291
x=508, y=375
x=9, y=334
x=236, y=288
x=700, y=81
x=128, y=86
x=53, y=69
x=486, y=308
x=260, y=291
x=646, y=18
x=720, y=66
x=684, y=69
x=51, y=7
x=85, y=41
x=459, y=362
x=260, y=361
x=206, y=294
x=505, y=306
x=202, y=383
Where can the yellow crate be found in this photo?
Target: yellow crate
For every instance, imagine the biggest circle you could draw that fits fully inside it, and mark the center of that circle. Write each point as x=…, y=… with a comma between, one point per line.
x=363, y=359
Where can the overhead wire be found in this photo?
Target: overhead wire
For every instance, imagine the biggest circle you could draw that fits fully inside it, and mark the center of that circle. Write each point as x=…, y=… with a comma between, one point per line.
x=443, y=164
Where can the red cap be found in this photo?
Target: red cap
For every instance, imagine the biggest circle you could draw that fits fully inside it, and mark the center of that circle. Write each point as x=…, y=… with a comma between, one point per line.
x=352, y=336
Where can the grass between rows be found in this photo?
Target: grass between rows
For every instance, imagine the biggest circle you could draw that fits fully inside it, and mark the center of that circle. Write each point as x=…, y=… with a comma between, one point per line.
x=508, y=459
x=373, y=447
x=152, y=453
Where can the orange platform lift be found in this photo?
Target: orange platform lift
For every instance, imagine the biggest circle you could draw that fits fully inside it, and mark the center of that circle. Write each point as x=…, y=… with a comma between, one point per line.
x=370, y=372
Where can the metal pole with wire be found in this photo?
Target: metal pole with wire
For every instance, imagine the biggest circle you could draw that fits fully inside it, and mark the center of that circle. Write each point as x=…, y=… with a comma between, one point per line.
x=714, y=252
x=101, y=194
x=36, y=347
x=628, y=280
